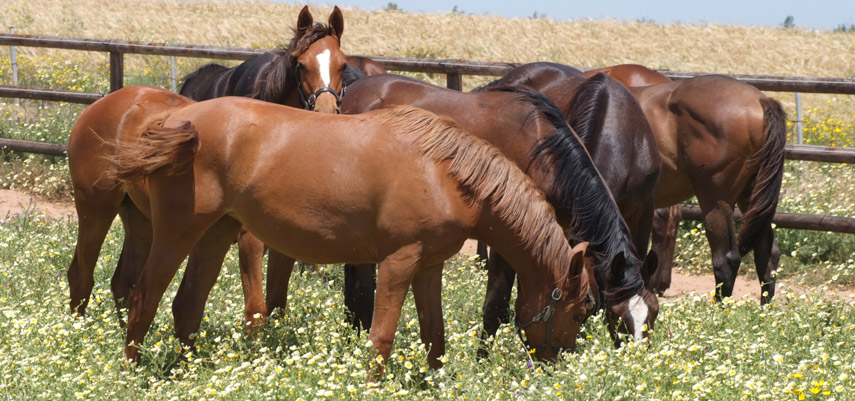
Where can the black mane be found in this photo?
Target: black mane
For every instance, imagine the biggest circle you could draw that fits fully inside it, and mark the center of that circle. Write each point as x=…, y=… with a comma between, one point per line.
x=579, y=192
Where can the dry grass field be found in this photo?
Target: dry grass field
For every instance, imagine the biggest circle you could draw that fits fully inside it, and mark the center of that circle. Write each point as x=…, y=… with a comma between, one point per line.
x=581, y=42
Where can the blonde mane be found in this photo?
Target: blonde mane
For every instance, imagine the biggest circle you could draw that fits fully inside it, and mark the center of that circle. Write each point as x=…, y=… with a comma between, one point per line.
x=484, y=172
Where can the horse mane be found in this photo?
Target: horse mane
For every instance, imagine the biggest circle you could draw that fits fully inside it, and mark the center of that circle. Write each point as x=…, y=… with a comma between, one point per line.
x=484, y=173
x=586, y=115
x=276, y=80
x=579, y=189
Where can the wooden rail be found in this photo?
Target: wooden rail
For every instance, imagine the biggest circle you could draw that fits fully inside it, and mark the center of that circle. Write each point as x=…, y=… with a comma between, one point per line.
x=454, y=70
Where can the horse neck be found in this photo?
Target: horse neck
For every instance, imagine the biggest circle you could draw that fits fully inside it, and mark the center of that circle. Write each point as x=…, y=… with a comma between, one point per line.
x=538, y=273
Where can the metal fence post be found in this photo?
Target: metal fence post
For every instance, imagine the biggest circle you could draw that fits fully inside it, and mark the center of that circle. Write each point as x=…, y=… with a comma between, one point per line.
x=172, y=71
x=14, y=60
x=799, y=117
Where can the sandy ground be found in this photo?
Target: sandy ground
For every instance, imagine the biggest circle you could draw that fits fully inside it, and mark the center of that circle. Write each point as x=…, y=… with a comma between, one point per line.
x=12, y=202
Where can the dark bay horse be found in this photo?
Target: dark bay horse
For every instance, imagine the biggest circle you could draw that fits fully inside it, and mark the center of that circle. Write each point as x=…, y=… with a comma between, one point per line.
x=531, y=132
x=401, y=187
x=306, y=74
x=723, y=141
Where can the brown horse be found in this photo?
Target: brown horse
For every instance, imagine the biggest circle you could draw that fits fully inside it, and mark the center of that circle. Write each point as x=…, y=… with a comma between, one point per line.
x=531, y=132
x=723, y=141
x=307, y=73
x=400, y=187
x=98, y=198
x=368, y=66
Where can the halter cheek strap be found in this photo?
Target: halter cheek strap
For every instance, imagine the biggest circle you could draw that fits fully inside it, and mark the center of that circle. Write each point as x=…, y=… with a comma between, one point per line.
x=544, y=316
x=309, y=101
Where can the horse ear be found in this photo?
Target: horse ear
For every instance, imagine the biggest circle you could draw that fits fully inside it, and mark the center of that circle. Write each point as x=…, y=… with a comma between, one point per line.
x=618, y=267
x=577, y=261
x=304, y=21
x=651, y=263
x=337, y=22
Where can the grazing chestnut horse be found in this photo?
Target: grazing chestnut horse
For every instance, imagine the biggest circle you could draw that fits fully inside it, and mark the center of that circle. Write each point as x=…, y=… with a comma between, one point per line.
x=306, y=74
x=531, y=131
x=401, y=187
x=723, y=141
x=98, y=198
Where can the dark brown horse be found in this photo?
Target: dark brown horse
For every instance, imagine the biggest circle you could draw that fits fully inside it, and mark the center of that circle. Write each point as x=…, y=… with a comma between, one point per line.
x=306, y=74
x=400, y=187
x=531, y=132
x=722, y=141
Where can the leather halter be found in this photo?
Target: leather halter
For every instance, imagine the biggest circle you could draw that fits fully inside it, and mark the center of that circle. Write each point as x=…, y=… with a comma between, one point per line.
x=544, y=316
x=309, y=101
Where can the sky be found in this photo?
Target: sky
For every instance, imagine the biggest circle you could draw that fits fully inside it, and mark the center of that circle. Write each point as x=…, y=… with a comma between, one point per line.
x=816, y=14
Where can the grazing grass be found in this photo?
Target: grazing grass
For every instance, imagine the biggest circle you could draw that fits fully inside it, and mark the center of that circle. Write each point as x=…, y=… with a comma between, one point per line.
x=797, y=348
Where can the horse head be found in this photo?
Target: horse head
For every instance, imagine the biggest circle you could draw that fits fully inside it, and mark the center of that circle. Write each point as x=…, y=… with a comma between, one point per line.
x=318, y=62
x=553, y=327
x=632, y=311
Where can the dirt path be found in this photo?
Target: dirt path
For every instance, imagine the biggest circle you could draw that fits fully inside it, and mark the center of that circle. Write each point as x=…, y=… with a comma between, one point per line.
x=12, y=202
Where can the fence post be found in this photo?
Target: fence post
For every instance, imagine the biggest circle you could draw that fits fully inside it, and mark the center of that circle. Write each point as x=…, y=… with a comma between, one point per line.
x=454, y=81
x=799, y=117
x=117, y=71
x=14, y=60
x=172, y=71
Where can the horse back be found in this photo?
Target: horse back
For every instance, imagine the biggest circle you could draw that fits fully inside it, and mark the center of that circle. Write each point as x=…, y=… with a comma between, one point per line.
x=355, y=178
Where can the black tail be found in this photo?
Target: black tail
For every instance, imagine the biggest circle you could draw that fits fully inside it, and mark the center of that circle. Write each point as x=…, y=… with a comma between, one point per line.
x=767, y=183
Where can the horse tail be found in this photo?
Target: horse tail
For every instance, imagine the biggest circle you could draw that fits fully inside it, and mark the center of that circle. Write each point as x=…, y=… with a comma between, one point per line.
x=767, y=182
x=156, y=147
x=586, y=117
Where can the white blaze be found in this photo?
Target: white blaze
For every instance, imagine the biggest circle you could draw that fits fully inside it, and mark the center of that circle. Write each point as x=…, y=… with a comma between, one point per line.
x=324, y=62
x=638, y=310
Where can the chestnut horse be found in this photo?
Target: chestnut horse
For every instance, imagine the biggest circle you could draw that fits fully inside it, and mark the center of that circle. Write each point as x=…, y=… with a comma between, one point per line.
x=531, y=131
x=401, y=187
x=723, y=141
x=306, y=74
x=368, y=66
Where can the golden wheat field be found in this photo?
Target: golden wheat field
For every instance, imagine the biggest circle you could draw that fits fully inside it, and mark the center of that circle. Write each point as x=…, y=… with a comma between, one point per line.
x=582, y=42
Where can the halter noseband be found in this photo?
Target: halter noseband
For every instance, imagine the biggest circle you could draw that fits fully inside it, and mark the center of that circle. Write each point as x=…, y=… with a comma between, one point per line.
x=544, y=316
x=309, y=101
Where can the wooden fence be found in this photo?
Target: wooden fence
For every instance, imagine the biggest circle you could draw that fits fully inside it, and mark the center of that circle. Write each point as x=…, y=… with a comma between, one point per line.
x=454, y=71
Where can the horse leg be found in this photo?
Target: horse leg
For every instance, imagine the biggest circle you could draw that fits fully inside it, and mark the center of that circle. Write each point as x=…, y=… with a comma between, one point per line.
x=169, y=247
x=500, y=282
x=250, y=259
x=95, y=214
x=483, y=253
x=359, y=286
x=767, y=255
x=666, y=222
x=427, y=292
x=394, y=276
x=203, y=268
x=722, y=239
x=279, y=269
x=134, y=253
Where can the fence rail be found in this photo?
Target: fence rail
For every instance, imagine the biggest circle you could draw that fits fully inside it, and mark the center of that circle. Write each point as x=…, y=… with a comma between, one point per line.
x=453, y=69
